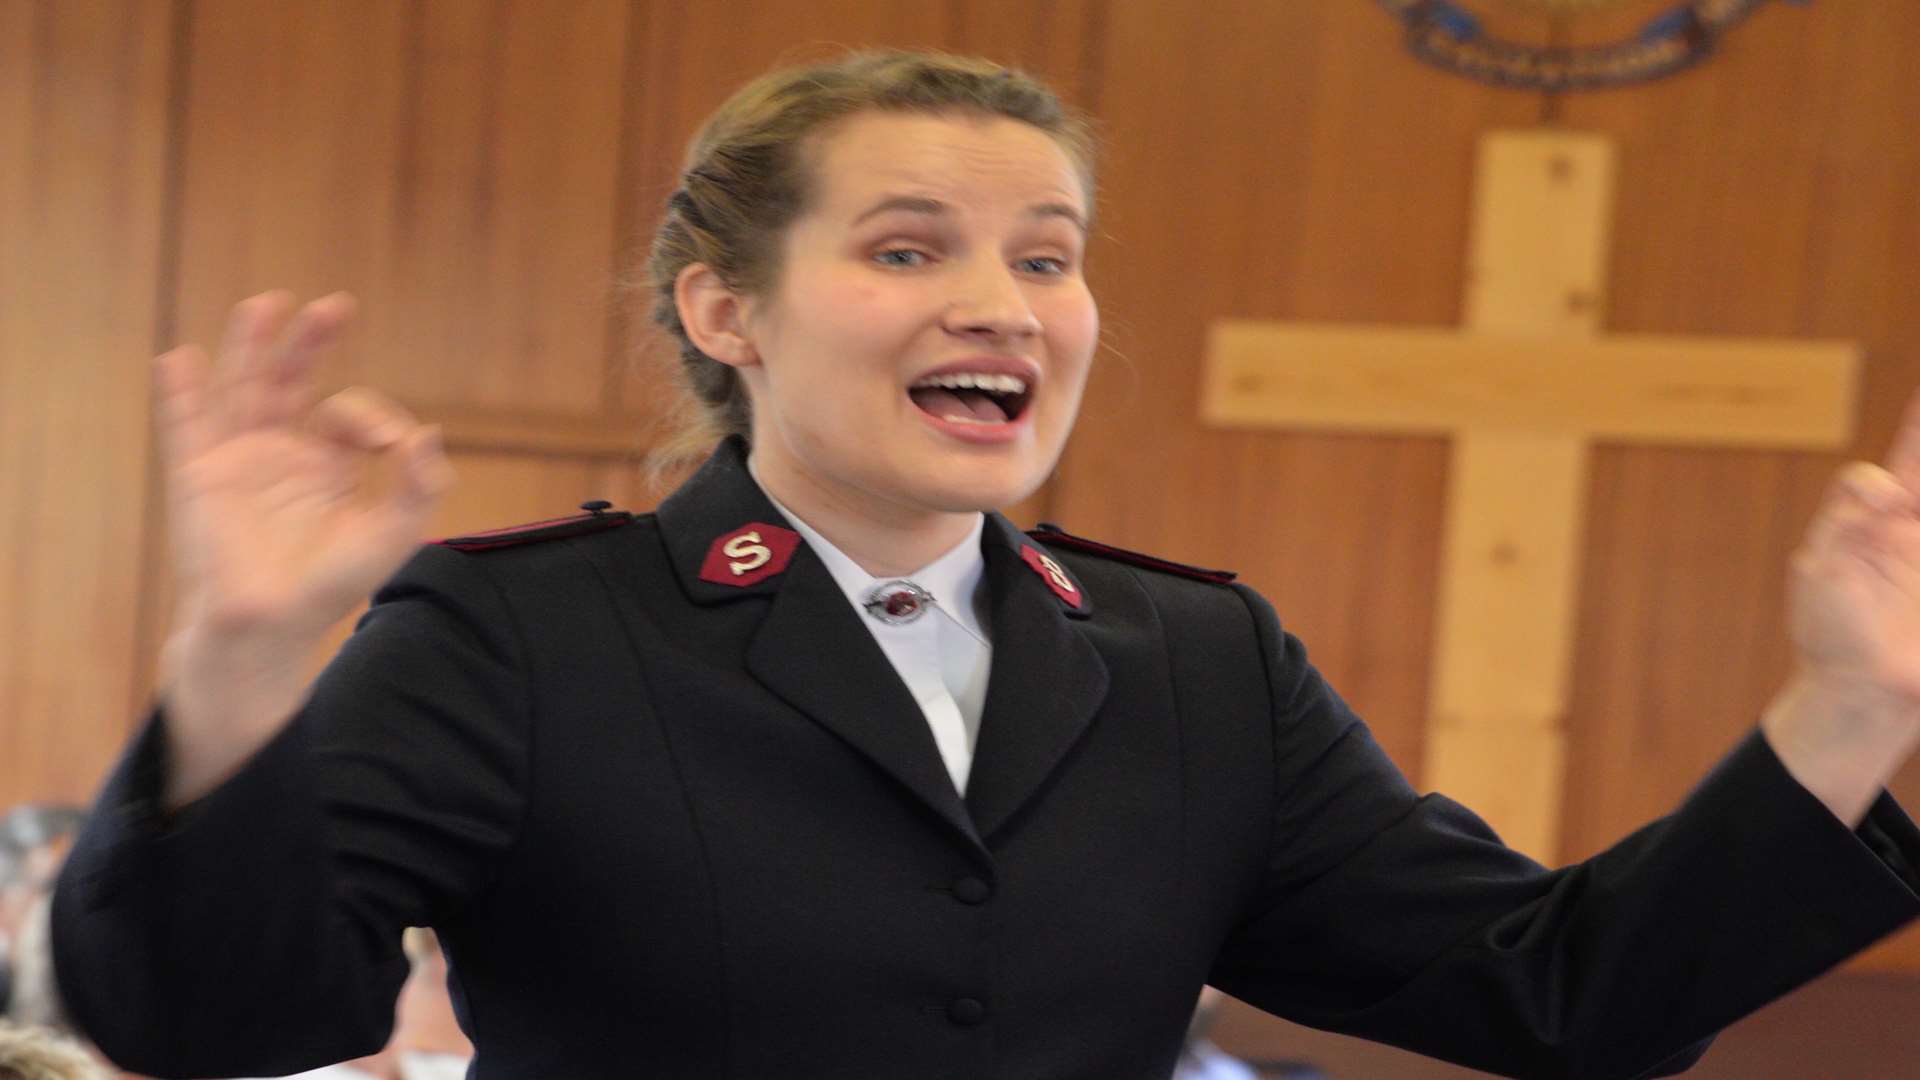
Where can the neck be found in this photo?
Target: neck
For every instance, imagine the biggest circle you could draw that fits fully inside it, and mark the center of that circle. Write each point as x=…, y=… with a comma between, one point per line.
x=885, y=538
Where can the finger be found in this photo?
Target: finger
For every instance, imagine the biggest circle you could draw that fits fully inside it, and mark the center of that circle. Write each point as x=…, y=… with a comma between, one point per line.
x=240, y=373
x=425, y=472
x=425, y=476
x=188, y=422
x=287, y=387
x=1861, y=494
x=362, y=419
x=1904, y=459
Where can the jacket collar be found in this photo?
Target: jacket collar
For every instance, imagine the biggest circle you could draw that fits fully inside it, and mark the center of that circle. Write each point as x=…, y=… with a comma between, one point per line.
x=812, y=651
x=718, y=504
x=1047, y=681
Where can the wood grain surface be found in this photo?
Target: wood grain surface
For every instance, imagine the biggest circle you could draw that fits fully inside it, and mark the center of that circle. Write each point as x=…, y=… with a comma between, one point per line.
x=1277, y=162
x=83, y=163
x=1771, y=192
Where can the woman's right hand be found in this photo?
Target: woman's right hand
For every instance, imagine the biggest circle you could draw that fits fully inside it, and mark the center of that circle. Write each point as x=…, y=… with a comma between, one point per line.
x=283, y=515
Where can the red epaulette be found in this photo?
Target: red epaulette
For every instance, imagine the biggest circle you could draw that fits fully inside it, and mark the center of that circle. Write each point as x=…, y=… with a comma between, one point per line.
x=1048, y=533
x=596, y=519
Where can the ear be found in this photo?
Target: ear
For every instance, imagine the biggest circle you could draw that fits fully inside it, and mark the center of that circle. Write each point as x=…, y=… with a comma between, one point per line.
x=714, y=316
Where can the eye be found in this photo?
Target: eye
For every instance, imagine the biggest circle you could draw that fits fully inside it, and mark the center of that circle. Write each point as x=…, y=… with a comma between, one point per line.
x=1043, y=264
x=901, y=257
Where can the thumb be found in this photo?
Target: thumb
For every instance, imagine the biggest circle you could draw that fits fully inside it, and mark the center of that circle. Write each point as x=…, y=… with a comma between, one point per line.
x=1861, y=494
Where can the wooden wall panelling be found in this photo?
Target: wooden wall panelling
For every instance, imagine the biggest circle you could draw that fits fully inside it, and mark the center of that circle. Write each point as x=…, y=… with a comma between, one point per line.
x=1059, y=42
x=83, y=103
x=451, y=162
x=1303, y=170
x=1770, y=192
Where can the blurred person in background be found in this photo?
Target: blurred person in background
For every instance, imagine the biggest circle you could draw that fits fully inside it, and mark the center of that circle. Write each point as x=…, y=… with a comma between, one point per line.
x=32, y=1053
x=34, y=839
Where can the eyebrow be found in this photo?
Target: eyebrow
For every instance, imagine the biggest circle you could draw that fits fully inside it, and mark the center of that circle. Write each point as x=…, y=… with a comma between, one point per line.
x=921, y=204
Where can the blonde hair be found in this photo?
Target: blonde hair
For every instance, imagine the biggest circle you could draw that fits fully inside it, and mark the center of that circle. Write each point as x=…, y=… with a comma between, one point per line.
x=28, y=1053
x=746, y=179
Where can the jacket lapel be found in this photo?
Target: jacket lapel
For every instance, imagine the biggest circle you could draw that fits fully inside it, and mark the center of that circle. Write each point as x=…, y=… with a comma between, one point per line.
x=1047, y=680
x=810, y=650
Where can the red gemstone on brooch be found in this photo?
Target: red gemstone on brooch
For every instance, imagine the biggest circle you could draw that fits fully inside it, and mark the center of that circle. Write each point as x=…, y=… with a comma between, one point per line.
x=897, y=602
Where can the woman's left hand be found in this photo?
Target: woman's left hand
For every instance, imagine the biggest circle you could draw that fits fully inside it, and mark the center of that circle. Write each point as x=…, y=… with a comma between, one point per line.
x=1855, y=585
x=1852, y=714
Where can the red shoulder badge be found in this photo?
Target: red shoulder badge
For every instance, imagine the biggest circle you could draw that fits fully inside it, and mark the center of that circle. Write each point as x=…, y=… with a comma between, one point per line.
x=1062, y=583
x=749, y=554
x=1054, y=536
x=598, y=518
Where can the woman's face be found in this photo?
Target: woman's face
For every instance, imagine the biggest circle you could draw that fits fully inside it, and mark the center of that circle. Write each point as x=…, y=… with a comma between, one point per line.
x=927, y=339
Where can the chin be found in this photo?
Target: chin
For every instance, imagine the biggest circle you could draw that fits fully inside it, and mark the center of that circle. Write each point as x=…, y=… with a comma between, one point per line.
x=975, y=485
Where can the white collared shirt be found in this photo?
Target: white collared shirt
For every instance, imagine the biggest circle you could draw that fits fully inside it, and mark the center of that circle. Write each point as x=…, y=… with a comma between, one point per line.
x=944, y=655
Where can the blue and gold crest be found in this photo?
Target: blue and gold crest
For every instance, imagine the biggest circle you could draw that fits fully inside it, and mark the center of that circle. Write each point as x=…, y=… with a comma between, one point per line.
x=1450, y=35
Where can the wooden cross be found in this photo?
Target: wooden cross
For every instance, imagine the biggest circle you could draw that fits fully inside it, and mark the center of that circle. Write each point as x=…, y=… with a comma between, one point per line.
x=1523, y=390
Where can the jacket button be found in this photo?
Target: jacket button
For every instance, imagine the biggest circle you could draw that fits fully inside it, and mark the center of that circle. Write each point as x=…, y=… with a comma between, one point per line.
x=971, y=890
x=966, y=1012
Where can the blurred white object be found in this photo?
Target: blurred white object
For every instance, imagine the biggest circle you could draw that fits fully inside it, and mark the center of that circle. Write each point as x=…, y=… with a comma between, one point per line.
x=421, y=1065
x=1202, y=1060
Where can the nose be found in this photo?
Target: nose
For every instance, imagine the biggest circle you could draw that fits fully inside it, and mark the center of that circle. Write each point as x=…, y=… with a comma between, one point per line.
x=991, y=303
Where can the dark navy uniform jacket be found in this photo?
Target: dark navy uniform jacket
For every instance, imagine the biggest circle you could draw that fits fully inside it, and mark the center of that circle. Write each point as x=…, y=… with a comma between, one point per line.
x=674, y=825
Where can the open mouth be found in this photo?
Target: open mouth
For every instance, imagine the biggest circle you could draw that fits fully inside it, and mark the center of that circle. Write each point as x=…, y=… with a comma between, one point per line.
x=972, y=397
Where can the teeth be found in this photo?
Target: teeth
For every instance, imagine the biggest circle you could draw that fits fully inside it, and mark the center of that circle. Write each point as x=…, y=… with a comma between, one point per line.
x=968, y=380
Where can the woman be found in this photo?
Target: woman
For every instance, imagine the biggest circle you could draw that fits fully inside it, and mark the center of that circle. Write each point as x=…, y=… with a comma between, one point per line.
x=819, y=771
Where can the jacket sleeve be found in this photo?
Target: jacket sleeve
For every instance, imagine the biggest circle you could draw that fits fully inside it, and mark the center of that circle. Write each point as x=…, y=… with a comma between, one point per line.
x=256, y=931
x=1404, y=920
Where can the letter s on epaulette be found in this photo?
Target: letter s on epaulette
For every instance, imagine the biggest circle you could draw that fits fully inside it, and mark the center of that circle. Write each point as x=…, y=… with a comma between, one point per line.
x=596, y=519
x=1048, y=533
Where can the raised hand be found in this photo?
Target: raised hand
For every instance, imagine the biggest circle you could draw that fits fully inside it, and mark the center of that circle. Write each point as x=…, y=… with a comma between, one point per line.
x=1851, y=715
x=1855, y=586
x=283, y=515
